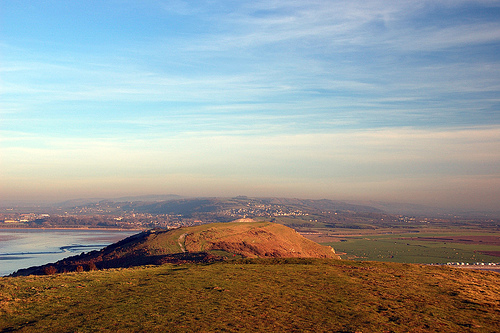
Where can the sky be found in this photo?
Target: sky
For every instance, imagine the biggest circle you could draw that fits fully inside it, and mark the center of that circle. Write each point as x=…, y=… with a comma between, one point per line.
x=349, y=100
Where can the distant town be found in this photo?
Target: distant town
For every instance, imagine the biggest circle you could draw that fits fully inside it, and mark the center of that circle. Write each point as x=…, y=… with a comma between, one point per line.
x=185, y=212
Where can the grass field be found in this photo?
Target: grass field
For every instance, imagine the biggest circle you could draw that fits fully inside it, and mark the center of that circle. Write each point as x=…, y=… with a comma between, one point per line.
x=425, y=247
x=256, y=295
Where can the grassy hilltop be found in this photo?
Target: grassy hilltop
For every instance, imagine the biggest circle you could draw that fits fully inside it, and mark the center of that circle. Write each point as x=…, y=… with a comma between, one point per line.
x=255, y=295
x=202, y=243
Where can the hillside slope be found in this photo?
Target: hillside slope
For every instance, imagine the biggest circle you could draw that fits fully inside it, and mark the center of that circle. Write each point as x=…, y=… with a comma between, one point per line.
x=254, y=239
x=203, y=243
x=256, y=295
x=192, y=206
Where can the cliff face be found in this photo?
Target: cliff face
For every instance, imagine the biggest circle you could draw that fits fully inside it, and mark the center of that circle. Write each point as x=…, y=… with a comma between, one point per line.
x=203, y=243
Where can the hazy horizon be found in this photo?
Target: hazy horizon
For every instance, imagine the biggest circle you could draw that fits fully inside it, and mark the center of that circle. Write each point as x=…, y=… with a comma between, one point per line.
x=395, y=101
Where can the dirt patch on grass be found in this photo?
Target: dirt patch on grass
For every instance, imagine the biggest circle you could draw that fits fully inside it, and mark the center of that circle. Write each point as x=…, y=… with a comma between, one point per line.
x=491, y=253
x=483, y=240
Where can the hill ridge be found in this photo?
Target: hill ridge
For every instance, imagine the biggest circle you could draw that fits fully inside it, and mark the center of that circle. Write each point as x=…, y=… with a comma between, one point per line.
x=202, y=243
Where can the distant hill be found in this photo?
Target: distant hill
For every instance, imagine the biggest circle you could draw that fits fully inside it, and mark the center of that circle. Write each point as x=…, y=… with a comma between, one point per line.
x=180, y=206
x=149, y=198
x=403, y=208
x=333, y=205
x=203, y=243
x=139, y=198
x=189, y=206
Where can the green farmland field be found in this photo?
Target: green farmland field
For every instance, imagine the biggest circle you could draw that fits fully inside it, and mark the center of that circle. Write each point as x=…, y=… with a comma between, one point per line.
x=408, y=248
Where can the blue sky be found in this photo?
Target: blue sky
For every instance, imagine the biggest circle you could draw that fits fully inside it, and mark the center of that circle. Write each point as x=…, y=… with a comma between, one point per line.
x=355, y=100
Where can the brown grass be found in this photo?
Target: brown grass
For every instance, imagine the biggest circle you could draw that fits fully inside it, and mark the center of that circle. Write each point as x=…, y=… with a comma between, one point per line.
x=256, y=295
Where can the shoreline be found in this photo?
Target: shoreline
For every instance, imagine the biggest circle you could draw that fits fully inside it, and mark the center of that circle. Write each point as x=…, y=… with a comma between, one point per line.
x=72, y=228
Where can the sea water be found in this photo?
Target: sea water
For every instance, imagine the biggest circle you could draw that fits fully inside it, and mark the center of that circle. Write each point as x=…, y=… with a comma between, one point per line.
x=23, y=248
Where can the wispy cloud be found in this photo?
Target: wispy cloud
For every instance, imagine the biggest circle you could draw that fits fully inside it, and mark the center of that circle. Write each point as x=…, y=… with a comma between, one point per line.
x=342, y=23
x=374, y=93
